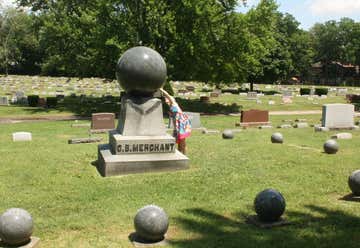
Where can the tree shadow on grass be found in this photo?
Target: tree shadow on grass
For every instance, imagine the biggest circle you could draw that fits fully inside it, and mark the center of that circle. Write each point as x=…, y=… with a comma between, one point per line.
x=86, y=105
x=318, y=227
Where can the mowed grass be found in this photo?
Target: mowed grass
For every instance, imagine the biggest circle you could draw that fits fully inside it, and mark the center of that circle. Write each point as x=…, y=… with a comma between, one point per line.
x=73, y=206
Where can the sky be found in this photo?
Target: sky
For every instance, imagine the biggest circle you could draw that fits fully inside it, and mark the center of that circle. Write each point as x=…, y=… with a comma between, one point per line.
x=309, y=12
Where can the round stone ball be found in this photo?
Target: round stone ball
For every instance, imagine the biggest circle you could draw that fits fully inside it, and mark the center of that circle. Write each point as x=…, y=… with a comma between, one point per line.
x=228, y=134
x=141, y=71
x=16, y=226
x=269, y=205
x=331, y=146
x=151, y=223
x=354, y=182
x=277, y=138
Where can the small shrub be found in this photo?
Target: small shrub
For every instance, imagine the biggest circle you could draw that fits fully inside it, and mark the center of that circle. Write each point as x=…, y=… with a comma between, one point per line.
x=51, y=102
x=230, y=90
x=271, y=92
x=33, y=100
x=321, y=91
x=305, y=91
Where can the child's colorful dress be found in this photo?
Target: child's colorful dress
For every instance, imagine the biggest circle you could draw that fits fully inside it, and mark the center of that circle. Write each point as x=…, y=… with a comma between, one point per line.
x=182, y=123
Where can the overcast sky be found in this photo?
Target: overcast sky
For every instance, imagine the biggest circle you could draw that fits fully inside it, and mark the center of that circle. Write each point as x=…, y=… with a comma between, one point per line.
x=309, y=12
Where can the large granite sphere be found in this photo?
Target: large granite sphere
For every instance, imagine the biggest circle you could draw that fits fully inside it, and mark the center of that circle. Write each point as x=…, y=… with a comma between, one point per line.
x=141, y=71
x=269, y=205
x=16, y=226
x=151, y=223
x=228, y=134
x=331, y=146
x=277, y=138
x=354, y=182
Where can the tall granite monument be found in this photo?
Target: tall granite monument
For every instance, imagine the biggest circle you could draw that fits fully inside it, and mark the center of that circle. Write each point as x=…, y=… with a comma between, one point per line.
x=140, y=142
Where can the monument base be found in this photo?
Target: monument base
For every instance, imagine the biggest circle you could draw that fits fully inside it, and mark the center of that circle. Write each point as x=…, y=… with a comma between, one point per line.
x=109, y=164
x=34, y=241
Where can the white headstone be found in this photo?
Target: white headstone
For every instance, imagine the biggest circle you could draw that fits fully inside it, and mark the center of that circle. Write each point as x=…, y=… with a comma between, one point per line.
x=338, y=115
x=22, y=136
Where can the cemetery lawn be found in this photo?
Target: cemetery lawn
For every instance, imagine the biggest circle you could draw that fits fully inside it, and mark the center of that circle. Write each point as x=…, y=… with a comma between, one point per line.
x=73, y=206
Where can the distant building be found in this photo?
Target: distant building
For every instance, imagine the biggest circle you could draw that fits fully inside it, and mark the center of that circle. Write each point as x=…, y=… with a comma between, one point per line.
x=335, y=73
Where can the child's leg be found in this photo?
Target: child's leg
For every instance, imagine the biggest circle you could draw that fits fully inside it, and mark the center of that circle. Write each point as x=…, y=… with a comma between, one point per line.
x=182, y=146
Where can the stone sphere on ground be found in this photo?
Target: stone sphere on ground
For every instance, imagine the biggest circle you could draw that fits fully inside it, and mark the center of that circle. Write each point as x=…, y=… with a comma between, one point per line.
x=228, y=134
x=141, y=71
x=269, y=205
x=151, y=223
x=277, y=138
x=354, y=182
x=16, y=226
x=331, y=146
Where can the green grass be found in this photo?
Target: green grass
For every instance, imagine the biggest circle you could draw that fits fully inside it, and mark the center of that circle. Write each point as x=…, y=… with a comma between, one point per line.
x=74, y=207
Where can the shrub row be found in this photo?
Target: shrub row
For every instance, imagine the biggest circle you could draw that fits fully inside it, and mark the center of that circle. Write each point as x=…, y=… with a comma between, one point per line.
x=33, y=101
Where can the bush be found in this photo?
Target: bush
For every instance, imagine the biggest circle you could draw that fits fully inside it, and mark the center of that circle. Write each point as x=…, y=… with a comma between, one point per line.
x=230, y=90
x=305, y=91
x=321, y=91
x=51, y=102
x=33, y=100
x=271, y=92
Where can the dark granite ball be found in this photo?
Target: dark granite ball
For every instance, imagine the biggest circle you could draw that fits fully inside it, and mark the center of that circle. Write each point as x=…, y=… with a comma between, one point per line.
x=141, y=71
x=16, y=226
x=354, y=182
x=228, y=134
x=269, y=205
x=151, y=223
x=331, y=146
x=277, y=138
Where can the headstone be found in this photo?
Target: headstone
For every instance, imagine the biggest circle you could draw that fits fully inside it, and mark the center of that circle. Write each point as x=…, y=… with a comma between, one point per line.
x=190, y=88
x=271, y=102
x=287, y=93
x=22, y=136
x=321, y=129
x=252, y=95
x=338, y=116
x=214, y=94
x=301, y=125
x=277, y=138
x=254, y=117
x=286, y=100
x=204, y=99
x=341, y=91
x=285, y=126
x=103, y=121
x=4, y=101
x=342, y=136
x=140, y=142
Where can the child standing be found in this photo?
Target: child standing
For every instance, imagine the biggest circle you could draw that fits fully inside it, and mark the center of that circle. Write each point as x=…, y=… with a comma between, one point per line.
x=182, y=124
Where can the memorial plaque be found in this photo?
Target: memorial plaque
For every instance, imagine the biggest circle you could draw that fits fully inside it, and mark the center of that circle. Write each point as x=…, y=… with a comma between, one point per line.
x=103, y=121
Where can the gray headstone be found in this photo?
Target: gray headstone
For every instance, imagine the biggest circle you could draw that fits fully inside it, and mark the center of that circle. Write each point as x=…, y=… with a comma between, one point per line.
x=338, y=116
x=301, y=125
x=22, y=136
x=277, y=138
